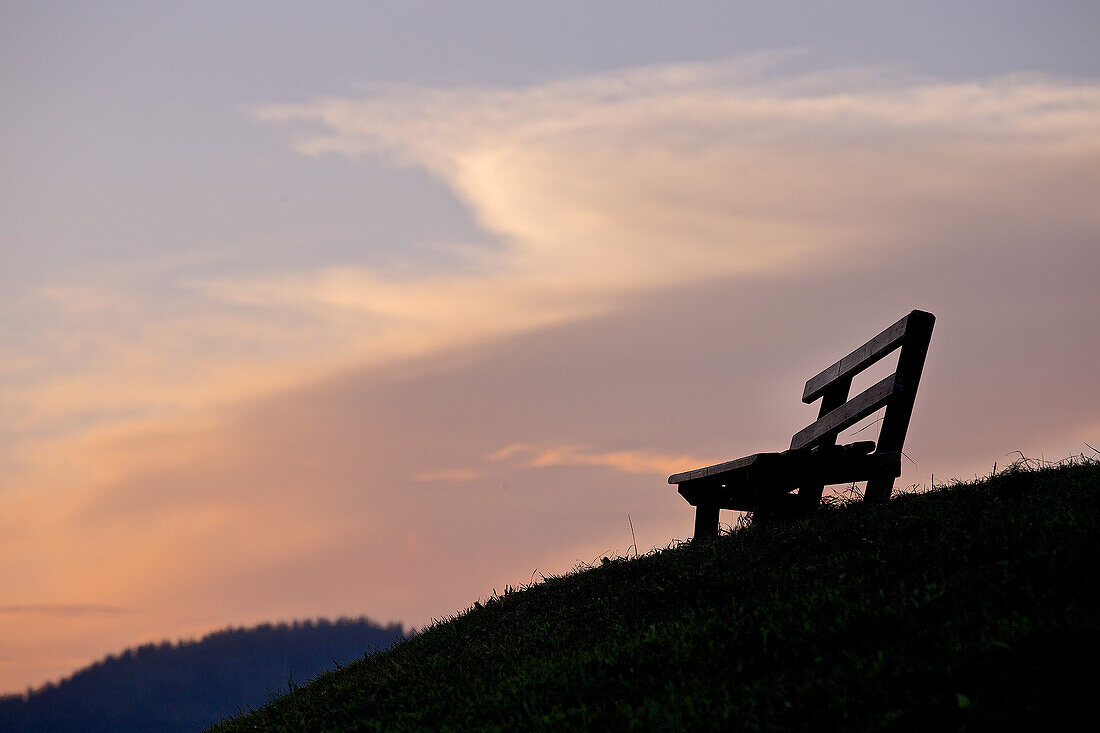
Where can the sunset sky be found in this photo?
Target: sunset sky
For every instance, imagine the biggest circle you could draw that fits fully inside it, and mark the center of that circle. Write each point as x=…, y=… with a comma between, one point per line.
x=329, y=309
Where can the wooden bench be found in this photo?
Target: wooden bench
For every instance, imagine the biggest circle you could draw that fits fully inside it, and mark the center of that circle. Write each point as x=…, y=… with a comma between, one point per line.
x=762, y=483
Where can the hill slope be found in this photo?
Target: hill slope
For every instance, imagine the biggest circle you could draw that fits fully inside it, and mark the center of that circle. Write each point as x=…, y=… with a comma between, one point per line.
x=971, y=607
x=180, y=687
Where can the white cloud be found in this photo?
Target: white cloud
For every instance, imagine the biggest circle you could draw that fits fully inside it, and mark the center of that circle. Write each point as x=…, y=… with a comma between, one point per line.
x=663, y=176
x=598, y=190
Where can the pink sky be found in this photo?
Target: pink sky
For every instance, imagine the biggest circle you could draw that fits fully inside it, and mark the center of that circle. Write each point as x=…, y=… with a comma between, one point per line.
x=645, y=265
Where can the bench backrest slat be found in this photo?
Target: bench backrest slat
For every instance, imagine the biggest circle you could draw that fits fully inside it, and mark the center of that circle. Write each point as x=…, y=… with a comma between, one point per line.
x=847, y=415
x=858, y=360
x=896, y=392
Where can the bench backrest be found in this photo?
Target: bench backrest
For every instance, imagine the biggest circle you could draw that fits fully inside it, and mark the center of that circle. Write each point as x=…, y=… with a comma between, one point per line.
x=896, y=392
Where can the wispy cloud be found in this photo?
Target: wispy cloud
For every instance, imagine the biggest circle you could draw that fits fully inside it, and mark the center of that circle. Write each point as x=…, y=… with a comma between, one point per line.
x=597, y=190
x=626, y=461
x=63, y=609
x=506, y=452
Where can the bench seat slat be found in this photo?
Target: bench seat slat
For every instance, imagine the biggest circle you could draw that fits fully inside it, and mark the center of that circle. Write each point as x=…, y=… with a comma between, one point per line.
x=747, y=491
x=697, y=473
x=848, y=414
x=740, y=467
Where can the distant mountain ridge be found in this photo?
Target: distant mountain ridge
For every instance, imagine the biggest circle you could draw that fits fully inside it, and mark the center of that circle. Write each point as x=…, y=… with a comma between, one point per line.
x=189, y=685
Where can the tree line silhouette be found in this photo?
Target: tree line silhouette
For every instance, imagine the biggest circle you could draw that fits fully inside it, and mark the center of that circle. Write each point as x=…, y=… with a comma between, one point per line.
x=191, y=684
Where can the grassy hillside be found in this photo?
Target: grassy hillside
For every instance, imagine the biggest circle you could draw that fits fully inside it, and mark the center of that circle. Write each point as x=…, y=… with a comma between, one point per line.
x=970, y=607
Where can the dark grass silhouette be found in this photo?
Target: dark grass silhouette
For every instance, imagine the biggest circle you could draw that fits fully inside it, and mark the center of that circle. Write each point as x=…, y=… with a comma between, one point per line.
x=182, y=687
x=969, y=607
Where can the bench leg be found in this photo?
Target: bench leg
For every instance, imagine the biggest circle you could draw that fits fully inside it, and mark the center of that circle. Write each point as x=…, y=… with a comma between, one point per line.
x=779, y=508
x=878, y=490
x=810, y=496
x=706, y=522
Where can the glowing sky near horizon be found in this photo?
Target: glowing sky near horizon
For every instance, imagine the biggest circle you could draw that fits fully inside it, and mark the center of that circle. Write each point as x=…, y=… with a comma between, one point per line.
x=373, y=310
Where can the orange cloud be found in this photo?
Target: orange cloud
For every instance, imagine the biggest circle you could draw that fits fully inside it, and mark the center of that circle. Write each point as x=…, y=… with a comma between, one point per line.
x=626, y=461
x=447, y=474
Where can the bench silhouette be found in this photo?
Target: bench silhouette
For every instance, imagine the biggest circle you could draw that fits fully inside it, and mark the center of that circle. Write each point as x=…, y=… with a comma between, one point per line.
x=762, y=483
